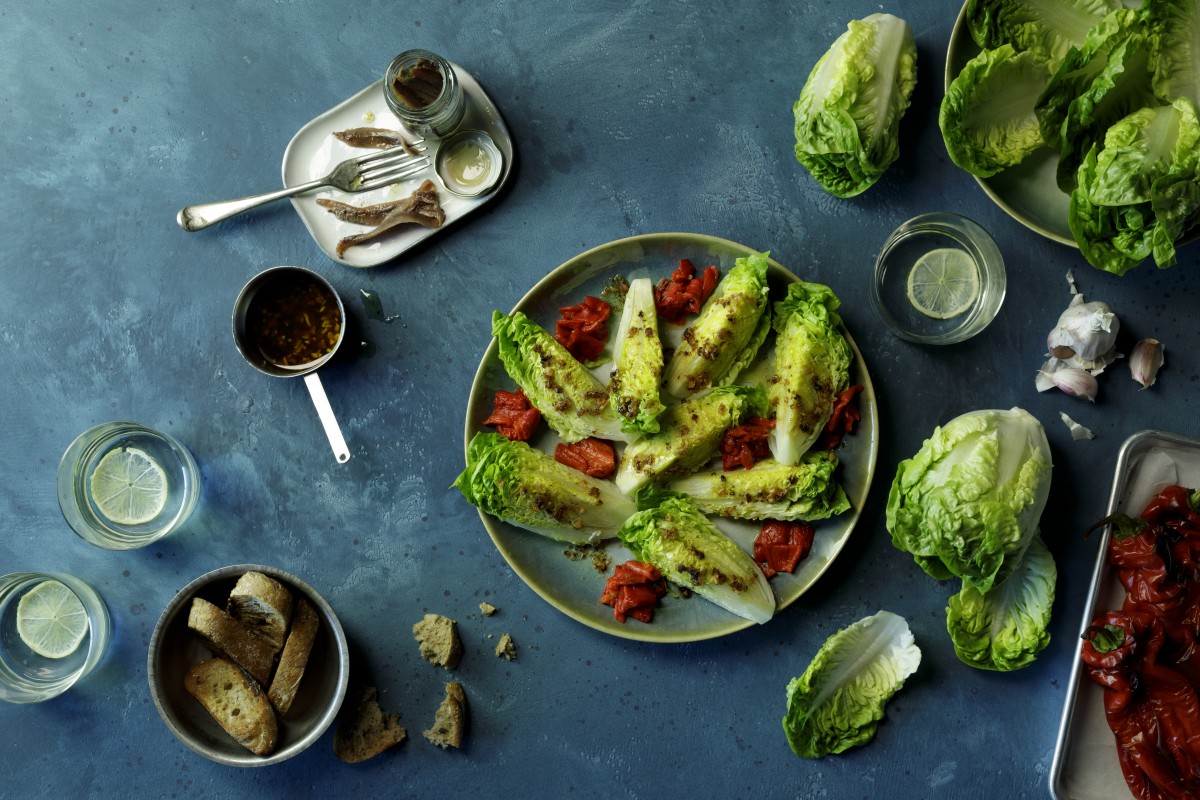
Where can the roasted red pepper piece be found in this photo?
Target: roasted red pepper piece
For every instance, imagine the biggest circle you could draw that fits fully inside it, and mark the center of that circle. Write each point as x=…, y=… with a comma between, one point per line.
x=684, y=292
x=513, y=415
x=583, y=328
x=593, y=456
x=843, y=419
x=633, y=591
x=1146, y=655
x=746, y=443
x=780, y=546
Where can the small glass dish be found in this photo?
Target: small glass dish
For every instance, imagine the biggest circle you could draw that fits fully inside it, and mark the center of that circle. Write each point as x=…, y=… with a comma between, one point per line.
x=917, y=238
x=29, y=676
x=469, y=163
x=139, y=450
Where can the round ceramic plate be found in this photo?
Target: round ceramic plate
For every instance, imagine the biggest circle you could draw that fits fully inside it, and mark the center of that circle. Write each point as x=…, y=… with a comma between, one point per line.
x=573, y=585
x=1028, y=192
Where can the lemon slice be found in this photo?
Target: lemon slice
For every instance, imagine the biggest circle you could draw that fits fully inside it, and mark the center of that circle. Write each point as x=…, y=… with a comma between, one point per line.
x=51, y=620
x=129, y=487
x=943, y=283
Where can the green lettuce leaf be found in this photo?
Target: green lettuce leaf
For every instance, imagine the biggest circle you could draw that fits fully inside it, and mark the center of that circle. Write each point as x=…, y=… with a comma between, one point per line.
x=1123, y=86
x=1006, y=628
x=770, y=490
x=1175, y=42
x=570, y=398
x=1047, y=28
x=726, y=335
x=689, y=550
x=527, y=488
x=988, y=117
x=689, y=436
x=1078, y=69
x=847, y=117
x=811, y=368
x=838, y=701
x=637, y=362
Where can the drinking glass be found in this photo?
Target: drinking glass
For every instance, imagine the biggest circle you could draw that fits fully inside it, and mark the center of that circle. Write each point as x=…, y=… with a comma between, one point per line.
x=26, y=676
x=88, y=518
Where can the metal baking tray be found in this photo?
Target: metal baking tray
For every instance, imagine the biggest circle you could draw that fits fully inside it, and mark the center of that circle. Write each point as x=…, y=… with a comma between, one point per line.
x=1085, y=763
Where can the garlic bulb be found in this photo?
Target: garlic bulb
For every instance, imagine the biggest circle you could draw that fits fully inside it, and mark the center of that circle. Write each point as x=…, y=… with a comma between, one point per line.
x=1086, y=335
x=1145, y=360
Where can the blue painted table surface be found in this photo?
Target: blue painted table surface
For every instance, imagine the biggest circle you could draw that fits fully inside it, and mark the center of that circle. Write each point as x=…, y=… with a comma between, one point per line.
x=627, y=119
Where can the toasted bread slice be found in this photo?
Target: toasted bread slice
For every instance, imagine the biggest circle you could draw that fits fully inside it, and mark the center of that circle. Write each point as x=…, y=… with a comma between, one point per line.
x=450, y=722
x=295, y=657
x=365, y=729
x=226, y=636
x=264, y=606
x=438, y=639
x=236, y=702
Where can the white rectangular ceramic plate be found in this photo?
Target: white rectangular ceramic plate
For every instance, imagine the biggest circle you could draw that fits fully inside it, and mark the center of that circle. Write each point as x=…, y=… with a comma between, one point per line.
x=314, y=151
x=1085, y=758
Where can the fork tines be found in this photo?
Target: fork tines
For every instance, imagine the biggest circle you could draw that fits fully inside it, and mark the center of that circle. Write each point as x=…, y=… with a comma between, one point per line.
x=379, y=175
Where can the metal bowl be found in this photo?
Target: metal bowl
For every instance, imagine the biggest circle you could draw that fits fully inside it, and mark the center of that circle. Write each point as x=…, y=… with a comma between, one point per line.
x=174, y=649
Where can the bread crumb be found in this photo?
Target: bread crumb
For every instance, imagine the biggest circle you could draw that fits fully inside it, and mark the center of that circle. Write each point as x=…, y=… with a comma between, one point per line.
x=505, y=648
x=487, y=609
x=438, y=639
x=450, y=722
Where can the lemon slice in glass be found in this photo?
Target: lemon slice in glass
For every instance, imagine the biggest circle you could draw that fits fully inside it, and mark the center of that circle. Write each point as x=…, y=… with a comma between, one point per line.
x=129, y=487
x=51, y=620
x=943, y=283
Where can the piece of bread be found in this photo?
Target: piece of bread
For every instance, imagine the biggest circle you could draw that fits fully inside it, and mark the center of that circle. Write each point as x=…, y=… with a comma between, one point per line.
x=438, y=640
x=365, y=729
x=226, y=636
x=450, y=722
x=264, y=606
x=236, y=702
x=295, y=657
x=506, y=648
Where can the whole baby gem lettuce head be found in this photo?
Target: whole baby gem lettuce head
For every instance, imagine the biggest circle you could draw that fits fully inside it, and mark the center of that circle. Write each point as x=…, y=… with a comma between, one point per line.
x=969, y=501
x=848, y=114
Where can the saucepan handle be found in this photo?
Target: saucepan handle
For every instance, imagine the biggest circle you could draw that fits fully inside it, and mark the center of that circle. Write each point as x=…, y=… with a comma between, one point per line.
x=315, y=390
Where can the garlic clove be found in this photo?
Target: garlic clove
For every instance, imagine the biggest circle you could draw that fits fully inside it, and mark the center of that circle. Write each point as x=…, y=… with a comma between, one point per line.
x=1145, y=361
x=1073, y=381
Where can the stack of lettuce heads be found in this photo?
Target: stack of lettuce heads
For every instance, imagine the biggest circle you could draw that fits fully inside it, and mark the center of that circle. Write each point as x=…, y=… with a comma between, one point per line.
x=673, y=414
x=967, y=506
x=1113, y=91
x=848, y=114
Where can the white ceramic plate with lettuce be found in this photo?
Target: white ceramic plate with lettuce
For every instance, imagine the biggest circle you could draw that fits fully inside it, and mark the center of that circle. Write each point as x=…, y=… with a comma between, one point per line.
x=574, y=586
x=1028, y=192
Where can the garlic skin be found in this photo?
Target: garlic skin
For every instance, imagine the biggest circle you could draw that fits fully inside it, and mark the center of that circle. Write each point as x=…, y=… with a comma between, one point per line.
x=1145, y=361
x=1072, y=381
x=1086, y=335
x=1078, y=431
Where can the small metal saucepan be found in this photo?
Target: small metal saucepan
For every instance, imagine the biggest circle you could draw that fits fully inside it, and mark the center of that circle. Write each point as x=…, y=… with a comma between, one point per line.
x=288, y=322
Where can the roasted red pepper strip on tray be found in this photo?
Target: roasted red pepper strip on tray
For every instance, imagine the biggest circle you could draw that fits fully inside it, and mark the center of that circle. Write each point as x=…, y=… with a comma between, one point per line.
x=746, y=443
x=593, y=456
x=513, y=415
x=1147, y=654
x=583, y=329
x=633, y=591
x=684, y=293
x=780, y=546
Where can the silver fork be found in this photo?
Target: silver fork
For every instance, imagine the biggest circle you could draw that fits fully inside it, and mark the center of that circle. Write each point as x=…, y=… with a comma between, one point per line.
x=361, y=174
